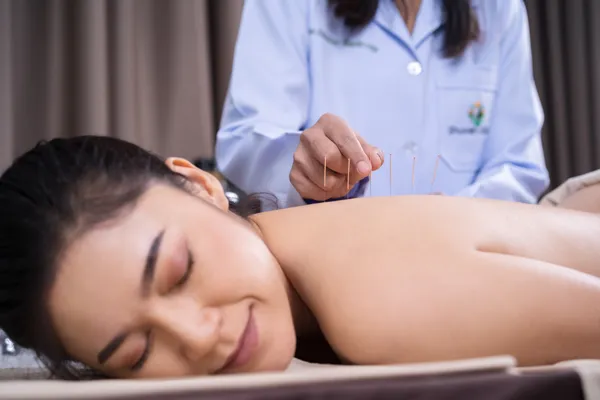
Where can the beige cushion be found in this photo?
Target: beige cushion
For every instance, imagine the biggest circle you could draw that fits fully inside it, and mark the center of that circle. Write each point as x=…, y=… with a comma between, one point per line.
x=569, y=187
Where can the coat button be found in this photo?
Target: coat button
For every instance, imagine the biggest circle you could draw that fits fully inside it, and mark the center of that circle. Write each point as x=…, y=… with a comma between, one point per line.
x=414, y=68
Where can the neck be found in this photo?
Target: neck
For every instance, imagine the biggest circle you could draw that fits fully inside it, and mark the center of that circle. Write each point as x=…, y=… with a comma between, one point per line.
x=409, y=10
x=304, y=321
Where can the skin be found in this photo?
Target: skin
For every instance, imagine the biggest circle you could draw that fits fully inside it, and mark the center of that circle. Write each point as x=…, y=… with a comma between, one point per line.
x=449, y=278
x=409, y=10
x=386, y=280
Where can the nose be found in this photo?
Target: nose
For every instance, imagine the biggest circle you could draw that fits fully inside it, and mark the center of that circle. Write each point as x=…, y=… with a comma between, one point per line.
x=196, y=328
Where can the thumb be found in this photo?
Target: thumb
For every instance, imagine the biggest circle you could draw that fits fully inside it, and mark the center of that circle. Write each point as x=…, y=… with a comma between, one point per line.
x=375, y=155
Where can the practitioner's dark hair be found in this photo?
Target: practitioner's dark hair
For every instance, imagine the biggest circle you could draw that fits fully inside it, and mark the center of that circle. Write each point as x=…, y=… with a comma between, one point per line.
x=460, y=27
x=49, y=195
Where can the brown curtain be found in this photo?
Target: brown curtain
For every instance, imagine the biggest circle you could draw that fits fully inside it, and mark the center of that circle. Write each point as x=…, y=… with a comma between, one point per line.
x=154, y=72
x=565, y=38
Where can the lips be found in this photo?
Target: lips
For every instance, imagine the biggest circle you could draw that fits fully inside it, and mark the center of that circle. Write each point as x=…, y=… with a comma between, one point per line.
x=245, y=347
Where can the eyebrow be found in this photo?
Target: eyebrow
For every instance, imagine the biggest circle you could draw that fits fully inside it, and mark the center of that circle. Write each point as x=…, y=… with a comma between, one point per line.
x=147, y=277
x=111, y=347
x=150, y=267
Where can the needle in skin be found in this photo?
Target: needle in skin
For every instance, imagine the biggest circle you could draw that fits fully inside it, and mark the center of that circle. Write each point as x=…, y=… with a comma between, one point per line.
x=437, y=162
x=390, y=174
x=413, y=173
x=325, y=177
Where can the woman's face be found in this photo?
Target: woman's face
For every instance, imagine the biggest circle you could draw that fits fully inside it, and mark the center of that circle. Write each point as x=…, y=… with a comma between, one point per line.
x=176, y=287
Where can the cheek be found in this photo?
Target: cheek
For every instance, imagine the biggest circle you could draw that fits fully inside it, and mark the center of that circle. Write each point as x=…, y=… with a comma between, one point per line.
x=252, y=266
x=236, y=274
x=231, y=259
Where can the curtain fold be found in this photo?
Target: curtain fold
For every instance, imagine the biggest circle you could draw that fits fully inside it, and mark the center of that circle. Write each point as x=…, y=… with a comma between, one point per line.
x=566, y=57
x=6, y=87
x=150, y=71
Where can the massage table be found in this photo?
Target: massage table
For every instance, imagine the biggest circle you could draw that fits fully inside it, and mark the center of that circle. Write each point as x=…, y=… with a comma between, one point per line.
x=494, y=378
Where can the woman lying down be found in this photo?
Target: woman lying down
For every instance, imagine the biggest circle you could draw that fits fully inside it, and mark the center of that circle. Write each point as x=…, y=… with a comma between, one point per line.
x=134, y=267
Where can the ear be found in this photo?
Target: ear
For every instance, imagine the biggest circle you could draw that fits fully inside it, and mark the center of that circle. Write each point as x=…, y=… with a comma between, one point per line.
x=207, y=185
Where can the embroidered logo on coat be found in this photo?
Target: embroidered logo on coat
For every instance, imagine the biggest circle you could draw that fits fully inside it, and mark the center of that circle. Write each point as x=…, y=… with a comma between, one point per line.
x=477, y=113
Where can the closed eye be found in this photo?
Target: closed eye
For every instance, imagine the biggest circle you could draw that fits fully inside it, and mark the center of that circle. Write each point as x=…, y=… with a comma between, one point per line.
x=140, y=363
x=185, y=277
x=187, y=273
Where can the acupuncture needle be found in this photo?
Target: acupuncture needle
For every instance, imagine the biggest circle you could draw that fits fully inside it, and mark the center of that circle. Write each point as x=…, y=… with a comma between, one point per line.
x=348, y=176
x=437, y=162
x=325, y=177
x=413, y=173
x=390, y=174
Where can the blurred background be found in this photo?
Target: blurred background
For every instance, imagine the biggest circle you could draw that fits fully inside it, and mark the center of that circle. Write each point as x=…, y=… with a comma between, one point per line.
x=156, y=71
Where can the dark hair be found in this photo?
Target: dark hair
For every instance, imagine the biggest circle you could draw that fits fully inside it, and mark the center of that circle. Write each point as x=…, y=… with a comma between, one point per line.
x=49, y=195
x=460, y=22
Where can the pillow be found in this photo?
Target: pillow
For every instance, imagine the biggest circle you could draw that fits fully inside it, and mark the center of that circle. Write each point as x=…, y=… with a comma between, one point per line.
x=18, y=363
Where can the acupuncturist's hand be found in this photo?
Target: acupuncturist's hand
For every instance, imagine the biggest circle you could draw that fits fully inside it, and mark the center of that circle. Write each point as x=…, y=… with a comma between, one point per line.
x=333, y=140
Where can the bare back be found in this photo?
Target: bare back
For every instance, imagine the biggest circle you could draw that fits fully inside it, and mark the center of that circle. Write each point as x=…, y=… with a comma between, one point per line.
x=429, y=278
